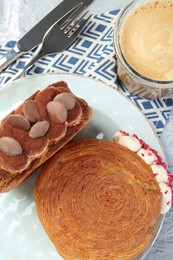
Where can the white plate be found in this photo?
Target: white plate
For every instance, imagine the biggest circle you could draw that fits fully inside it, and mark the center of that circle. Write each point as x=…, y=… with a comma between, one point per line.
x=21, y=234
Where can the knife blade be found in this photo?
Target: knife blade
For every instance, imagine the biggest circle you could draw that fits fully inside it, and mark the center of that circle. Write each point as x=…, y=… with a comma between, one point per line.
x=34, y=37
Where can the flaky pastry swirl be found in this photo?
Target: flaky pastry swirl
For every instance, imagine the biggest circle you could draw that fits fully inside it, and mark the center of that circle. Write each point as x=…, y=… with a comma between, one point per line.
x=97, y=200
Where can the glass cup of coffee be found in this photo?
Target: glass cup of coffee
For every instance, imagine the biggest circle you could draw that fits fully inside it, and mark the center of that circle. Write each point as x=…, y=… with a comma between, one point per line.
x=143, y=40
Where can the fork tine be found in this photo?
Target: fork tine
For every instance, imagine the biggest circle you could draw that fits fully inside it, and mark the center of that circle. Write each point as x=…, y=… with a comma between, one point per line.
x=69, y=15
x=72, y=17
x=74, y=34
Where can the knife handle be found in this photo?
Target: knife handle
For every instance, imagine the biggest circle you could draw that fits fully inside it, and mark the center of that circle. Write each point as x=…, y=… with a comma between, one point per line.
x=8, y=58
x=37, y=55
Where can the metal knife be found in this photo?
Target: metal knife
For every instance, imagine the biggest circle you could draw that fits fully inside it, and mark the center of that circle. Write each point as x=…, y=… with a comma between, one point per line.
x=34, y=37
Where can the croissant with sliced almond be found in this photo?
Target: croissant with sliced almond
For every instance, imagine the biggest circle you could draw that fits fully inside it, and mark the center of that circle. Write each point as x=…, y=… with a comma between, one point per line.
x=37, y=129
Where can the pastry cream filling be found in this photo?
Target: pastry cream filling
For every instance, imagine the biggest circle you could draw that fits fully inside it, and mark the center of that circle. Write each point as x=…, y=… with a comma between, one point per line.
x=150, y=156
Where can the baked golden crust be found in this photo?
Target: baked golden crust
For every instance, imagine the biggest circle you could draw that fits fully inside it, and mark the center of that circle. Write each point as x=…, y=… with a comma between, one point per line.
x=35, y=151
x=97, y=200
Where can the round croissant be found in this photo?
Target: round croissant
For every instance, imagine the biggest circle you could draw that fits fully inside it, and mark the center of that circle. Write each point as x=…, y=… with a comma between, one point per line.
x=97, y=200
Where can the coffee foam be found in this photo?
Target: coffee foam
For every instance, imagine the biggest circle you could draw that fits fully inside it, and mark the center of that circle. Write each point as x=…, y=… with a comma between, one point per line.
x=146, y=39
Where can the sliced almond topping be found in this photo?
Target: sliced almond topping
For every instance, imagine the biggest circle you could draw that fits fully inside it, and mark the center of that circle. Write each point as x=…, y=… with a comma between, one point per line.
x=18, y=121
x=68, y=99
x=9, y=146
x=57, y=112
x=31, y=112
x=39, y=129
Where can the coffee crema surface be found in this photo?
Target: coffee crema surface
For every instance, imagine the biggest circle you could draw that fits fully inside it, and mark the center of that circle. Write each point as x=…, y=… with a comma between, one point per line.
x=146, y=39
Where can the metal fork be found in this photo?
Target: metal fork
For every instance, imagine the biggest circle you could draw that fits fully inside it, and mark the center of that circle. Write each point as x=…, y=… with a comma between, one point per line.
x=58, y=37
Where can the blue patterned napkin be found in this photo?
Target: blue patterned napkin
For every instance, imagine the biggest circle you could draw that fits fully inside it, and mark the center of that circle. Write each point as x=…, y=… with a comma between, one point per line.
x=93, y=55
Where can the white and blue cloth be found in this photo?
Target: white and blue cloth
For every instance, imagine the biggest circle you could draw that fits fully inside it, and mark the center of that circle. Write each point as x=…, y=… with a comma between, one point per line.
x=93, y=55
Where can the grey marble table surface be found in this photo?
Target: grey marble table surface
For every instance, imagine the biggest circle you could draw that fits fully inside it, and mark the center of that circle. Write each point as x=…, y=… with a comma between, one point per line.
x=17, y=17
